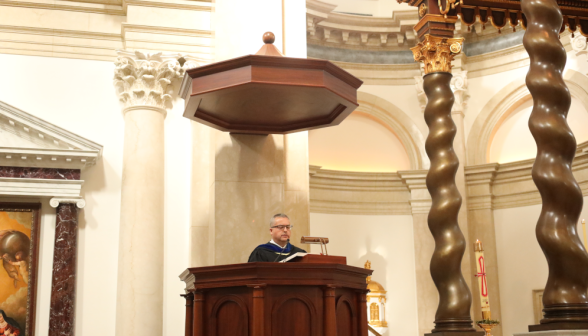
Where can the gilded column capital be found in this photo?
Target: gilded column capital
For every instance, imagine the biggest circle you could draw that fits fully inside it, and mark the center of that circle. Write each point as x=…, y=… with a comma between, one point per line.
x=437, y=52
x=148, y=79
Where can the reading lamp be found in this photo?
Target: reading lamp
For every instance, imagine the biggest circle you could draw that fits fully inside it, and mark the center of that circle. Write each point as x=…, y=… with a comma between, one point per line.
x=316, y=240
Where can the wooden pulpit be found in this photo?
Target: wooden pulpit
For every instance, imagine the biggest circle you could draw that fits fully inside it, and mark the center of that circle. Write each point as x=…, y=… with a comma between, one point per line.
x=316, y=296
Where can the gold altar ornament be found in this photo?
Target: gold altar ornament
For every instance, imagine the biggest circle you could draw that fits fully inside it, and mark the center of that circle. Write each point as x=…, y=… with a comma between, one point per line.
x=376, y=301
x=437, y=52
x=487, y=325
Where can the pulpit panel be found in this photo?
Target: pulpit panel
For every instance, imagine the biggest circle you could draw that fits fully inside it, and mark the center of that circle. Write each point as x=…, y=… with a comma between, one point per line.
x=346, y=315
x=295, y=313
x=229, y=316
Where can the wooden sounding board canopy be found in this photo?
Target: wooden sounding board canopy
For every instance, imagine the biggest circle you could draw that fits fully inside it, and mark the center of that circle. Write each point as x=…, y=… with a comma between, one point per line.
x=268, y=93
x=502, y=14
x=281, y=299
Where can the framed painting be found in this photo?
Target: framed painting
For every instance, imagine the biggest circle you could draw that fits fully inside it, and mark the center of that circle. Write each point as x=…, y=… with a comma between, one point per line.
x=19, y=250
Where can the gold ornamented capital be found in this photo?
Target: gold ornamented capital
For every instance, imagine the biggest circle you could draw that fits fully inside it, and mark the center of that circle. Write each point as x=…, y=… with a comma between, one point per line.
x=437, y=52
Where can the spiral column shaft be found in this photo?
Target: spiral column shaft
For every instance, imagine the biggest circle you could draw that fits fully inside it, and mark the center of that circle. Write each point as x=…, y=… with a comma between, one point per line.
x=565, y=299
x=453, y=312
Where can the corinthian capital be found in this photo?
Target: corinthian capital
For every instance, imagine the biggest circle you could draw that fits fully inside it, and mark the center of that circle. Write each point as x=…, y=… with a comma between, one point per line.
x=148, y=79
x=437, y=52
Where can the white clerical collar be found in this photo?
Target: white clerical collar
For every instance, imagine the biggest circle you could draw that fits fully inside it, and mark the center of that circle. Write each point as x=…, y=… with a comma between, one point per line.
x=273, y=242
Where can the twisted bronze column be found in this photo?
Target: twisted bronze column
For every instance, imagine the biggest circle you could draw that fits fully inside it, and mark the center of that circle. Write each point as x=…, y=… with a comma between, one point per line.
x=455, y=300
x=565, y=299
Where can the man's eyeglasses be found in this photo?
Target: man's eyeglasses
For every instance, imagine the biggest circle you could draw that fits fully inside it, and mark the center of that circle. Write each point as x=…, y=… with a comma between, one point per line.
x=283, y=227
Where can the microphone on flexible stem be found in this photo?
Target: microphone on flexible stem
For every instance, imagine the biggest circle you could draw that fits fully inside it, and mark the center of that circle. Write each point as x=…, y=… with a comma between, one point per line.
x=282, y=251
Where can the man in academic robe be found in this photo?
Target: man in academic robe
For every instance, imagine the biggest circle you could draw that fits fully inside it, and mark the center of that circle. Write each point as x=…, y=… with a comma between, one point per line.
x=279, y=247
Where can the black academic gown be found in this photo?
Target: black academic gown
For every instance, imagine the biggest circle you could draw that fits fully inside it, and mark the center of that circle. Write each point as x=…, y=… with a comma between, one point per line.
x=269, y=252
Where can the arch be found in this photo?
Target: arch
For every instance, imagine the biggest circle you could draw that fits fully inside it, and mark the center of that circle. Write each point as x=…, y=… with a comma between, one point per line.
x=502, y=104
x=282, y=303
x=398, y=122
x=346, y=316
x=243, y=314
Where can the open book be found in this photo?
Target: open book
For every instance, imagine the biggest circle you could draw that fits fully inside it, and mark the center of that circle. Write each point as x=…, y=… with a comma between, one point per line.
x=295, y=255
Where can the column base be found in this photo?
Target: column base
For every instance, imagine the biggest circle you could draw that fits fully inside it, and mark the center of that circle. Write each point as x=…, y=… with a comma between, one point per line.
x=456, y=333
x=555, y=333
x=559, y=326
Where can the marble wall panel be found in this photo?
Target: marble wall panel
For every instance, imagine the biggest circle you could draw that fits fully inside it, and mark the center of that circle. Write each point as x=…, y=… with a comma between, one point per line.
x=199, y=246
x=297, y=207
x=242, y=214
x=40, y=173
x=249, y=158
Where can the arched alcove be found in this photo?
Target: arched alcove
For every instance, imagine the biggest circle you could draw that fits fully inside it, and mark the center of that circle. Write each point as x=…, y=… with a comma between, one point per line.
x=378, y=137
x=507, y=108
x=512, y=140
x=360, y=143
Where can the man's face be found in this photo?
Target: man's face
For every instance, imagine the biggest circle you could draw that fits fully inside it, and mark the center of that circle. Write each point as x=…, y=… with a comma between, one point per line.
x=280, y=235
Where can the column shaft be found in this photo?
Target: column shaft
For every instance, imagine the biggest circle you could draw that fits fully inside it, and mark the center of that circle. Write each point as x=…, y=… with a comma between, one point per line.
x=565, y=297
x=198, y=323
x=453, y=312
x=140, y=280
x=189, y=314
x=258, y=309
x=63, y=284
x=330, y=313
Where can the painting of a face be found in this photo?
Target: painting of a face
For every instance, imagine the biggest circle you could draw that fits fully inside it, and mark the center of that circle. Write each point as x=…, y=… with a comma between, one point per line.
x=18, y=246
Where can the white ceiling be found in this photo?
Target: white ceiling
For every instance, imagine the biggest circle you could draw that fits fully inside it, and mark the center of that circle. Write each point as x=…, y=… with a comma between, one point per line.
x=382, y=8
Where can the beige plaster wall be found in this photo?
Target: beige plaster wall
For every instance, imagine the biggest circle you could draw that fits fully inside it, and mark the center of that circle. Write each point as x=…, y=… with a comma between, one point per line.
x=382, y=8
x=78, y=95
x=513, y=140
x=405, y=98
x=359, y=143
x=387, y=242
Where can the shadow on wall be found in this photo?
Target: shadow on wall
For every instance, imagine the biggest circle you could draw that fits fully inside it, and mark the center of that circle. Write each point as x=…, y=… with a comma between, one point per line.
x=379, y=263
x=248, y=190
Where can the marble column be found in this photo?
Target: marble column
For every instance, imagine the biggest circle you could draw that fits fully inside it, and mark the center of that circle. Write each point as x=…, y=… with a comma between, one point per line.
x=63, y=281
x=145, y=86
x=481, y=217
x=424, y=245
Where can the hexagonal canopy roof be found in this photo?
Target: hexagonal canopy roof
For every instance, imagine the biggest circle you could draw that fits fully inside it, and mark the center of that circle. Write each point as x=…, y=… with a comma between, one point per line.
x=267, y=93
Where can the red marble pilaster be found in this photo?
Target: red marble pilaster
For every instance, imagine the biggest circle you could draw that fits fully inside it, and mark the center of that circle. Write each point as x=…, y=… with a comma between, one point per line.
x=62, y=310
